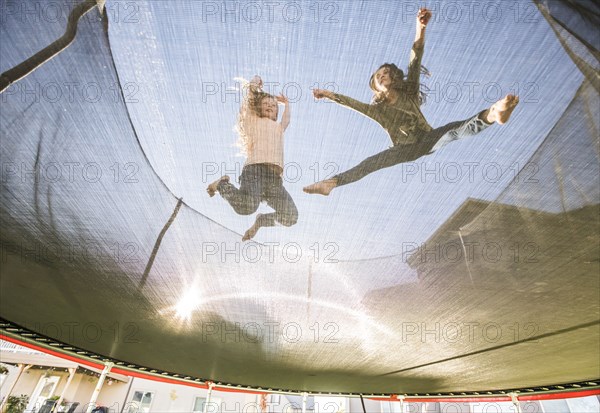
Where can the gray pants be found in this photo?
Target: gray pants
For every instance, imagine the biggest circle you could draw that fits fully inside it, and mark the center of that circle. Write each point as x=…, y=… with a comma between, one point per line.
x=427, y=143
x=258, y=183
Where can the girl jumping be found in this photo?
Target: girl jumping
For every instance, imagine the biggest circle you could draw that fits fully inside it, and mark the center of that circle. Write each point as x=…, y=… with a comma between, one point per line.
x=396, y=107
x=261, y=138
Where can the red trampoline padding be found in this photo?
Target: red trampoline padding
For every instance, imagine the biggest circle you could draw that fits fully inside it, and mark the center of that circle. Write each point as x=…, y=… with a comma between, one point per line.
x=522, y=397
x=394, y=398
x=52, y=353
x=117, y=370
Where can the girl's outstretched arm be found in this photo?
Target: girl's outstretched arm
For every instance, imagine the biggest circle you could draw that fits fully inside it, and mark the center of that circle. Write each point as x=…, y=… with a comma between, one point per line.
x=358, y=106
x=416, y=54
x=285, y=119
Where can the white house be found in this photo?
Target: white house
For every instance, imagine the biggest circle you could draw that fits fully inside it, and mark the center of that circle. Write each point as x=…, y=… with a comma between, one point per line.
x=43, y=377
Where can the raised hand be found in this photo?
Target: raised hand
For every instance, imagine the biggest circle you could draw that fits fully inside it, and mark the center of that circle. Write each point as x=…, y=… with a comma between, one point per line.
x=423, y=16
x=256, y=82
x=282, y=99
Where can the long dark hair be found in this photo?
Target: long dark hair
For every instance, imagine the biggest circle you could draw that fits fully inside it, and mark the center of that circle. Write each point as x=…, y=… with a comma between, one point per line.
x=399, y=84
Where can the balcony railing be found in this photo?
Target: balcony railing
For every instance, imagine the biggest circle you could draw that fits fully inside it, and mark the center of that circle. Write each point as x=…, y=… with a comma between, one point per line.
x=15, y=348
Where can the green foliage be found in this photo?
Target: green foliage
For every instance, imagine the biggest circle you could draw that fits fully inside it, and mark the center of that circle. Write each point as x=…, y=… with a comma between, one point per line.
x=17, y=404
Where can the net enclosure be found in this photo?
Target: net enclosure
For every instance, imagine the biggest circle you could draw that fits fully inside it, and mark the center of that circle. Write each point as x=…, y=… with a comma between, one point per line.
x=474, y=268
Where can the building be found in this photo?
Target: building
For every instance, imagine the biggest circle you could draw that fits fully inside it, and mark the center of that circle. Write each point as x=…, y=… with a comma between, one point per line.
x=42, y=377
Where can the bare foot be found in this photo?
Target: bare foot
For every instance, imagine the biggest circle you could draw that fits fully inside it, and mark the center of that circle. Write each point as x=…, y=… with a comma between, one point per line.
x=500, y=111
x=322, y=187
x=252, y=230
x=214, y=187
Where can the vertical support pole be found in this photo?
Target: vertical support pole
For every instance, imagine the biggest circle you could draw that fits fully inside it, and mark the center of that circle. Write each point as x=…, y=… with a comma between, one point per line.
x=263, y=403
x=304, y=400
x=22, y=368
x=96, y=393
x=401, y=398
x=515, y=401
x=72, y=371
x=208, y=396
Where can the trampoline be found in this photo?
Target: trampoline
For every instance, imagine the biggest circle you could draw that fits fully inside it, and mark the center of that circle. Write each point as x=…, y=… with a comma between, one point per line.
x=471, y=271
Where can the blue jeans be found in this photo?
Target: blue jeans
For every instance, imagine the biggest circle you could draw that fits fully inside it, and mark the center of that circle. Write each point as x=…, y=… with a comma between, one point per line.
x=427, y=142
x=259, y=182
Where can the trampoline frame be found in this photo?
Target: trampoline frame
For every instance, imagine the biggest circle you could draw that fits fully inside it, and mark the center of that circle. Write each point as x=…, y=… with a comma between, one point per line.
x=21, y=336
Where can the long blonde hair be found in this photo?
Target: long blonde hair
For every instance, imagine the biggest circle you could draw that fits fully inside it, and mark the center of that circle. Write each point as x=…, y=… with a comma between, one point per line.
x=252, y=102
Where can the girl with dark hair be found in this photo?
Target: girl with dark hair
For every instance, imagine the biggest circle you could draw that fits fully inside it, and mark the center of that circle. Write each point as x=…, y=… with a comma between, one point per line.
x=396, y=107
x=261, y=140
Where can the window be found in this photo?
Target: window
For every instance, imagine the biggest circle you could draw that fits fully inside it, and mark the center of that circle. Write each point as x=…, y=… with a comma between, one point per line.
x=199, y=404
x=140, y=402
x=213, y=407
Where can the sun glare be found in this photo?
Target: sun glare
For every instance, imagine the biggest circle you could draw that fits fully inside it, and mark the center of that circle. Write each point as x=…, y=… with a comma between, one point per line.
x=187, y=304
